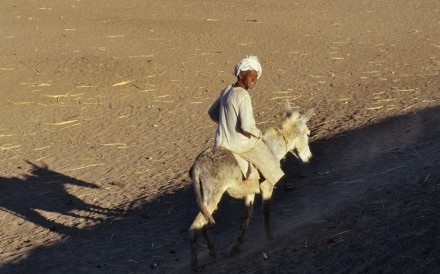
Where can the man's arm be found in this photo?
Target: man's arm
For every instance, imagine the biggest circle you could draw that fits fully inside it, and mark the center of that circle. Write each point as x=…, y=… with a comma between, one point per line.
x=214, y=110
x=246, y=116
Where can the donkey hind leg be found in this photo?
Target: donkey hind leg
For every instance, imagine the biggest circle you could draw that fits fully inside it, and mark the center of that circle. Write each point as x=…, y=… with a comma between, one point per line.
x=201, y=224
x=266, y=195
x=249, y=204
x=209, y=242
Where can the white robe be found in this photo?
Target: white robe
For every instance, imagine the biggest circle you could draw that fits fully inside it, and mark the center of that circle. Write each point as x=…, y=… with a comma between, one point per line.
x=233, y=112
x=237, y=132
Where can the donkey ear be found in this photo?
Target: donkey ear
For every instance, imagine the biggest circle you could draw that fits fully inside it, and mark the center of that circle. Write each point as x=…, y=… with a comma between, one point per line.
x=308, y=114
x=288, y=108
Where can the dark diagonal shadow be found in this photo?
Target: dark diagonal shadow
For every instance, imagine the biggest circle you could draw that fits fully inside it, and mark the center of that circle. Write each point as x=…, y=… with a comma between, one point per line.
x=44, y=190
x=153, y=237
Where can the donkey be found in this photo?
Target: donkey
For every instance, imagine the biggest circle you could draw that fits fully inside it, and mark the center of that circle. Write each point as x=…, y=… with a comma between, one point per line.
x=216, y=171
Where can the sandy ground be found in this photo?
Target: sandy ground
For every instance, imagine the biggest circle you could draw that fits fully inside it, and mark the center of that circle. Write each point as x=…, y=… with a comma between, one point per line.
x=103, y=110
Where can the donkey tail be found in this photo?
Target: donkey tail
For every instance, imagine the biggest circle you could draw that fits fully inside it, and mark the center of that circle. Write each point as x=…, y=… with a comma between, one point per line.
x=195, y=175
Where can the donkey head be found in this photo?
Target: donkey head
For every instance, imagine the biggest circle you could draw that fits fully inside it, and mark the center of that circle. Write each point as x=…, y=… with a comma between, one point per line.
x=297, y=133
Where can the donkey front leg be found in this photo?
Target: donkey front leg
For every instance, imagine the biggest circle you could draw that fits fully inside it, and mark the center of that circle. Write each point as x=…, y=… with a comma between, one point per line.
x=266, y=195
x=249, y=204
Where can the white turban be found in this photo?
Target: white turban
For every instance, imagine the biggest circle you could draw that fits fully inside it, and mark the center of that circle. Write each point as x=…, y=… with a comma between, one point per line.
x=250, y=62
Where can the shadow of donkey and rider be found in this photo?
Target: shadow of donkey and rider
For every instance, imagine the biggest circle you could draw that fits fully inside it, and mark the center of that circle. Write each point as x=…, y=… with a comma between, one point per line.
x=43, y=189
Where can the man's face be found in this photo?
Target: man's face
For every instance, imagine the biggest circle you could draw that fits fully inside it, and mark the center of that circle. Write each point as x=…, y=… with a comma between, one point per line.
x=249, y=79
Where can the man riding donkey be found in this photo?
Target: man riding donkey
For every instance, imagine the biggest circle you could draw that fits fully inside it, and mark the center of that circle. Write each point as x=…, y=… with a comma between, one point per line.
x=237, y=131
x=242, y=164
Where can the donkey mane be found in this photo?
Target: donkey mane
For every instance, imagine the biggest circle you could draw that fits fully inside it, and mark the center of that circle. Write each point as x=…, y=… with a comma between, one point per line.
x=277, y=137
x=286, y=127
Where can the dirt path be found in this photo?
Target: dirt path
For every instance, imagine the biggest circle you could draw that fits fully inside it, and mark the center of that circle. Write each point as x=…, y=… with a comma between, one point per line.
x=103, y=109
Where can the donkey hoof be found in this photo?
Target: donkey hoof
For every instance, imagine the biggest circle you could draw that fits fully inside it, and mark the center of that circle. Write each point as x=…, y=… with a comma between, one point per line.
x=233, y=251
x=195, y=267
x=213, y=253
